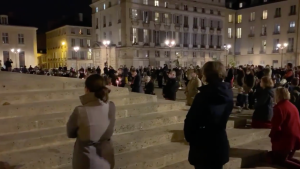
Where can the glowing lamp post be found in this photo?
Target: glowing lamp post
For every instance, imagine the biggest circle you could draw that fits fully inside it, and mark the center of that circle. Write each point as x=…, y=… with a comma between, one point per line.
x=170, y=44
x=16, y=52
x=106, y=44
x=227, y=48
x=281, y=47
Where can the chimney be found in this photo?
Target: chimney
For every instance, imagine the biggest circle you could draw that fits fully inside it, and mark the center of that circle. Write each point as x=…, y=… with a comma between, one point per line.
x=80, y=17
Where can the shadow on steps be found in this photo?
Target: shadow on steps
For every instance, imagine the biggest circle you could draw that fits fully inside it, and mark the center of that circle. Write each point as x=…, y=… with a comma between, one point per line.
x=249, y=157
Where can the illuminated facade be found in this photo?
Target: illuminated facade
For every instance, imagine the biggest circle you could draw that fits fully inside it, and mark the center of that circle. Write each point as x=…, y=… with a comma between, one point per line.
x=18, y=43
x=260, y=27
x=138, y=29
x=60, y=47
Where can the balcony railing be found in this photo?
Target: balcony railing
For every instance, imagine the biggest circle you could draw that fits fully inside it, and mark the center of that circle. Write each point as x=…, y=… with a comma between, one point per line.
x=263, y=34
x=290, y=50
x=292, y=13
x=275, y=51
x=251, y=35
x=202, y=46
x=262, y=52
x=277, y=16
x=291, y=31
x=276, y=32
x=250, y=52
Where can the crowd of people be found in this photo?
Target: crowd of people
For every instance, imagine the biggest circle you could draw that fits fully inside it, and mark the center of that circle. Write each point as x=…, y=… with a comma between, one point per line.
x=273, y=94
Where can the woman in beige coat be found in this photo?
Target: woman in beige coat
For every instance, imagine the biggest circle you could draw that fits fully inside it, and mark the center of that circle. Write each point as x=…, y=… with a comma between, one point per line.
x=192, y=87
x=92, y=124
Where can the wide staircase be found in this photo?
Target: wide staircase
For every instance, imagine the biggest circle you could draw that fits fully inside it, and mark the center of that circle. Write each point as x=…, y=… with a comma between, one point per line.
x=148, y=132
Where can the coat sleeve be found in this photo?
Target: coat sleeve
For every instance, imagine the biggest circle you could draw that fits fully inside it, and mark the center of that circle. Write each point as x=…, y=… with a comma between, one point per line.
x=277, y=121
x=112, y=118
x=190, y=122
x=72, y=125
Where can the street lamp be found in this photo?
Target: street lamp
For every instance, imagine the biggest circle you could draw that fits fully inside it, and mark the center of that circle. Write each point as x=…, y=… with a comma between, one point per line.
x=76, y=49
x=106, y=44
x=170, y=43
x=227, y=48
x=281, y=47
x=16, y=52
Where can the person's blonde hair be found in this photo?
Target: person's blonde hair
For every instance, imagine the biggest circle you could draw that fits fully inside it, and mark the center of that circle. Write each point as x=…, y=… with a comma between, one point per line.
x=267, y=82
x=281, y=93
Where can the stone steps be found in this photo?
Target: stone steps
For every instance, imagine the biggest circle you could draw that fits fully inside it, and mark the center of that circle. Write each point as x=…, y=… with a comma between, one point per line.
x=50, y=95
x=148, y=104
x=155, y=156
x=122, y=142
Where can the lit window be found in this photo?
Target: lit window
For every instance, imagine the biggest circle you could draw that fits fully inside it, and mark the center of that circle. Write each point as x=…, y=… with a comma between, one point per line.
x=5, y=38
x=230, y=18
x=239, y=19
x=166, y=4
x=134, y=35
x=145, y=2
x=265, y=14
x=88, y=42
x=252, y=16
x=104, y=7
x=134, y=13
x=241, y=5
x=229, y=32
x=292, y=24
x=156, y=18
x=97, y=10
x=238, y=32
x=156, y=3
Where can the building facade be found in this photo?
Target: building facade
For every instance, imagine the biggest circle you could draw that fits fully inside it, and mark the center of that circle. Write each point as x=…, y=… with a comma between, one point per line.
x=137, y=31
x=18, y=43
x=60, y=44
x=260, y=26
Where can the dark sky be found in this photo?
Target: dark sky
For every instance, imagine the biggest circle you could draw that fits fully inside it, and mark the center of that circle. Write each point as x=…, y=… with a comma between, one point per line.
x=38, y=12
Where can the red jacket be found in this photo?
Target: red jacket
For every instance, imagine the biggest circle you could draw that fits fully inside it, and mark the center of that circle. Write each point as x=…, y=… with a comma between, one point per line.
x=285, y=132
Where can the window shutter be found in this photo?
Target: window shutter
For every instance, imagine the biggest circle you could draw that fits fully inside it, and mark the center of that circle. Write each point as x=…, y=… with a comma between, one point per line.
x=130, y=12
x=180, y=19
x=150, y=16
x=140, y=35
x=174, y=18
x=150, y=35
x=140, y=14
x=180, y=38
x=131, y=34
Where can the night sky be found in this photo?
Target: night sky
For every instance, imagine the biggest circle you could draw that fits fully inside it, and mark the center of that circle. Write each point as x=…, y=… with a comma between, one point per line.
x=38, y=12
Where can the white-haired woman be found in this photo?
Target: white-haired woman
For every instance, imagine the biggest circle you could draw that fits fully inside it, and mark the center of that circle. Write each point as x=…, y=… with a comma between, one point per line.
x=149, y=85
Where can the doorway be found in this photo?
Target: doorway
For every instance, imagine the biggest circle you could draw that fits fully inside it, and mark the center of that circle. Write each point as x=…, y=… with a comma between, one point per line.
x=22, y=59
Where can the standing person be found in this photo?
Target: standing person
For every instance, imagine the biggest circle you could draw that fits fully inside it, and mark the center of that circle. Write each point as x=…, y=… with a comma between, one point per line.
x=289, y=74
x=240, y=82
x=149, y=85
x=263, y=112
x=8, y=64
x=285, y=132
x=249, y=82
x=92, y=124
x=125, y=74
x=136, y=84
x=192, y=87
x=205, y=123
x=170, y=89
